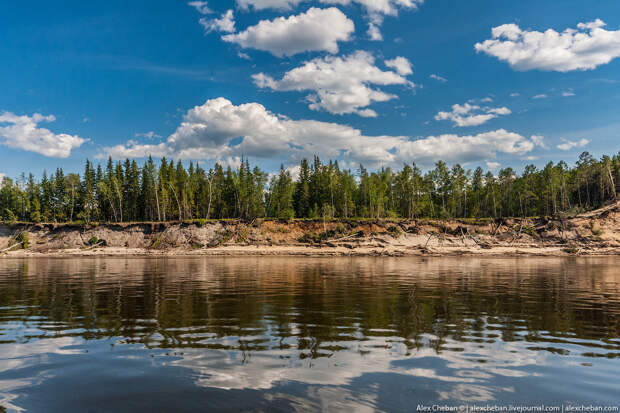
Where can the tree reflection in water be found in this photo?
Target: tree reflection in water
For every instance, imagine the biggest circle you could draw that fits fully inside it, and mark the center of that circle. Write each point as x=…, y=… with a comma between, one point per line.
x=249, y=323
x=262, y=303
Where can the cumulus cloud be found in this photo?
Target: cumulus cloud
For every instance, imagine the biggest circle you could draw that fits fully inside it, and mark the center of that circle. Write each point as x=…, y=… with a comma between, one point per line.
x=438, y=78
x=401, y=65
x=382, y=7
x=315, y=30
x=212, y=131
x=340, y=84
x=584, y=48
x=376, y=10
x=23, y=132
x=294, y=170
x=541, y=96
x=201, y=6
x=471, y=115
x=568, y=145
x=226, y=23
x=469, y=148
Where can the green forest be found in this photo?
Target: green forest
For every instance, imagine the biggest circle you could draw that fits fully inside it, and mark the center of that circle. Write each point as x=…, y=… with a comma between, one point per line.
x=171, y=191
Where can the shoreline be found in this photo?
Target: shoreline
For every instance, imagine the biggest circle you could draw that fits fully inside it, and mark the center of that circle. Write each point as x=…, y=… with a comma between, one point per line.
x=318, y=252
x=596, y=233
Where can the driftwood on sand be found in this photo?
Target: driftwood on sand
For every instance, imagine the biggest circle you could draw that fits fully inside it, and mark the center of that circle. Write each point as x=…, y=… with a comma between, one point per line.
x=593, y=233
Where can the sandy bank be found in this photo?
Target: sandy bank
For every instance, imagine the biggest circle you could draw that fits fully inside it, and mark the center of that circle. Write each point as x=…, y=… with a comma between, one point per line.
x=594, y=233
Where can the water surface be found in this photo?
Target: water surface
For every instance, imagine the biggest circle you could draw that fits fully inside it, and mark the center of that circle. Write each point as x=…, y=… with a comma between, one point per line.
x=289, y=334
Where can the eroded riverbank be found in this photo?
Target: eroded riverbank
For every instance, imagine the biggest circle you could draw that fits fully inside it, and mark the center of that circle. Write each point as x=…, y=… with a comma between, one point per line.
x=594, y=233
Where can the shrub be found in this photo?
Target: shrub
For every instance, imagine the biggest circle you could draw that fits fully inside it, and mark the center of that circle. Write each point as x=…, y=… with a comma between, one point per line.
x=243, y=234
x=310, y=238
x=157, y=241
x=23, y=239
x=287, y=215
x=93, y=241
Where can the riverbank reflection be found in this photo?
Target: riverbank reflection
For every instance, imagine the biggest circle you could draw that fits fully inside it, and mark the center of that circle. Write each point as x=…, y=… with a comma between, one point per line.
x=299, y=334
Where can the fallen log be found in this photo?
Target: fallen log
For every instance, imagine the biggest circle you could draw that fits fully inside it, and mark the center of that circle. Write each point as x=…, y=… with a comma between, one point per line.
x=11, y=247
x=94, y=246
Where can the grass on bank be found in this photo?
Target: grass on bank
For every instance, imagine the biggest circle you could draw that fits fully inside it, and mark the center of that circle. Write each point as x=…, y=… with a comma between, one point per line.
x=258, y=221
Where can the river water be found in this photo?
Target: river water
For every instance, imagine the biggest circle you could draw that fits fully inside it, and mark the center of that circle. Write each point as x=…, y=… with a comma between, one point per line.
x=293, y=334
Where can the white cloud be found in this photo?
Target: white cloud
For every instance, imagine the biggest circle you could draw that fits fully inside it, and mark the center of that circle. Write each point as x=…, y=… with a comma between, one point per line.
x=539, y=141
x=568, y=93
x=583, y=48
x=375, y=9
x=22, y=132
x=471, y=115
x=381, y=7
x=469, y=148
x=148, y=135
x=493, y=166
x=515, y=94
x=244, y=56
x=208, y=132
x=226, y=23
x=374, y=32
x=438, y=78
x=340, y=84
x=315, y=30
x=201, y=6
x=486, y=100
x=294, y=170
x=401, y=65
x=541, y=96
x=568, y=145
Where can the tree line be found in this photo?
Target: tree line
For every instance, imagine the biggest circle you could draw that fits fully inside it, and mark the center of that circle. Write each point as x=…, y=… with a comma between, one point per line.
x=169, y=191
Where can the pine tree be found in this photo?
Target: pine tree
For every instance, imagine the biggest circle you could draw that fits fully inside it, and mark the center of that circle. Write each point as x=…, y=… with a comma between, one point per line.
x=126, y=191
x=301, y=197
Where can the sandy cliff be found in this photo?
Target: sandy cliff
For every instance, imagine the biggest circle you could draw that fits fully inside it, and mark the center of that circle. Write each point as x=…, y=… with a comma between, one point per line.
x=593, y=233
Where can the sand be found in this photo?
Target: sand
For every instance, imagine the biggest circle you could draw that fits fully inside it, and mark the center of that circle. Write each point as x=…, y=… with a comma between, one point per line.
x=595, y=233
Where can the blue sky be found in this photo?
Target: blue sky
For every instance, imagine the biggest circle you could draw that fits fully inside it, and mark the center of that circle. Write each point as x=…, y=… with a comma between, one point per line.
x=150, y=77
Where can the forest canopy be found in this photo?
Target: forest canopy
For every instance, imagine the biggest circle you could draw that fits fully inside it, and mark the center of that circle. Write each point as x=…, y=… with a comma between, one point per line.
x=169, y=191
